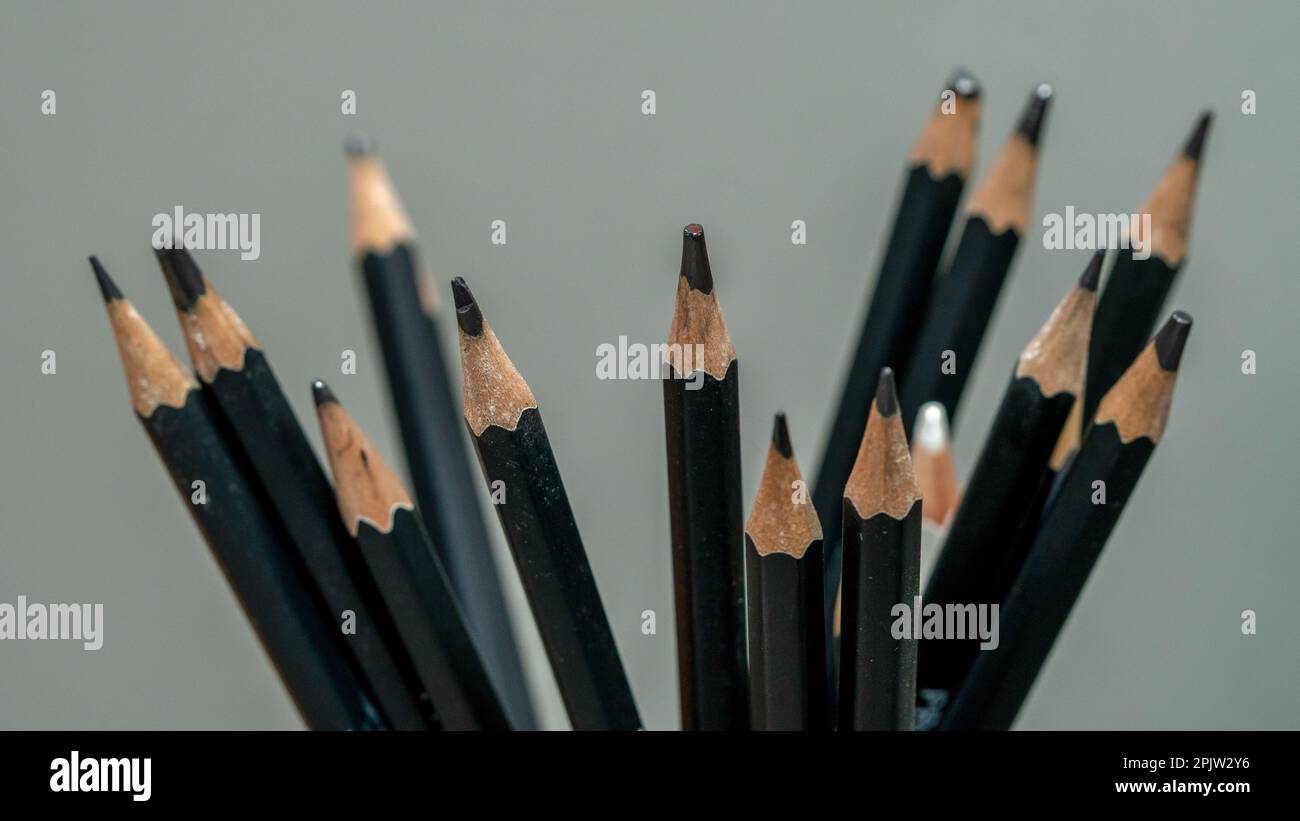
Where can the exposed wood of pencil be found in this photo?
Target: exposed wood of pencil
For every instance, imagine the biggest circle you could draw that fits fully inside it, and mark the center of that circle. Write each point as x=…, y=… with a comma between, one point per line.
x=249, y=545
x=538, y=521
x=377, y=509
x=429, y=416
x=932, y=463
x=980, y=558
x=244, y=391
x=939, y=164
x=1129, y=424
x=964, y=299
x=787, y=623
x=1136, y=290
x=702, y=437
x=882, y=544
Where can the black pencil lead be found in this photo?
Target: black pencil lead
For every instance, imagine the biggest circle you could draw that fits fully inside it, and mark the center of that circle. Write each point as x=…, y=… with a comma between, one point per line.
x=359, y=145
x=781, y=436
x=695, y=259
x=1196, y=142
x=964, y=84
x=886, y=396
x=107, y=287
x=321, y=393
x=184, y=279
x=1171, y=340
x=1031, y=121
x=1091, y=275
x=468, y=315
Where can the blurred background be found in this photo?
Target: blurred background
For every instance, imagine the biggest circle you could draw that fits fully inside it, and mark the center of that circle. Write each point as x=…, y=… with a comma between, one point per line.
x=531, y=113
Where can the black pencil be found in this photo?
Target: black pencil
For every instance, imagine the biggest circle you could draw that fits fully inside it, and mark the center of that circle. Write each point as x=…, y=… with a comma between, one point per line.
x=1128, y=425
x=250, y=547
x=1136, y=290
x=787, y=623
x=882, y=554
x=938, y=166
x=241, y=388
x=437, y=459
x=966, y=295
x=978, y=562
x=517, y=461
x=379, y=514
x=702, y=436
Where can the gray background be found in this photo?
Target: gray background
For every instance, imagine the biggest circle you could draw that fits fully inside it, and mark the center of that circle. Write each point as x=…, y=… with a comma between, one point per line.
x=531, y=113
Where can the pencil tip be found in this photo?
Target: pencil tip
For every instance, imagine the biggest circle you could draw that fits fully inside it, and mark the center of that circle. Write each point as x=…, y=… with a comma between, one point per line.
x=781, y=436
x=963, y=84
x=886, y=396
x=107, y=287
x=321, y=393
x=1035, y=113
x=695, y=259
x=1195, y=145
x=359, y=145
x=1171, y=339
x=931, y=428
x=468, y=315
x=184, y=279
x=1091, y=275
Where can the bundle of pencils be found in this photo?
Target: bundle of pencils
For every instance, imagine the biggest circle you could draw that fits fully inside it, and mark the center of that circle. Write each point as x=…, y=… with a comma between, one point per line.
x=382, y=608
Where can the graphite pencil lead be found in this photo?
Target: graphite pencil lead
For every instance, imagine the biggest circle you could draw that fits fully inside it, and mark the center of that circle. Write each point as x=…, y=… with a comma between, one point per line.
x=1195, y=145
x=1091, y=275
x=366, y=487
x=963, y=84
x=468, y=315
x=883, y=480
x=781, y=436
x=359, y=145
x=1171, y=339
x=107, y=287
x=1035, y=113
x=321, y=393
x=184, y=279
x=379, y=223
x=932, y=462
x=695, y=259
x=886, y=394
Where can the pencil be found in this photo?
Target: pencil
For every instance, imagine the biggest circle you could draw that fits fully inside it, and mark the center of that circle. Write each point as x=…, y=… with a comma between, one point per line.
x=965, y=297
x=938, y=166
x=1136, y=289
x=241, y=388
x=379, y=514
x=787, y=621
x=979, y=562
x=515, y=453
x=1129, y=423
x=702, y=434
x=882, y=545
x=250, y=547
x=437, y=459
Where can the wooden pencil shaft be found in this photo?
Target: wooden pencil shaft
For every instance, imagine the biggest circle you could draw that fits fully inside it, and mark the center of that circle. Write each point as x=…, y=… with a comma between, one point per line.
x=420, y=597
x=960, y=309
x=877, y=671
x=1127, y=312
x=976, y=565
x=264, y=574
x=1072, y=535
x=787, y=640
x=561, y=589
x=264, y=428
x=889, y=332
x=429, y=419
x=703, y=447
